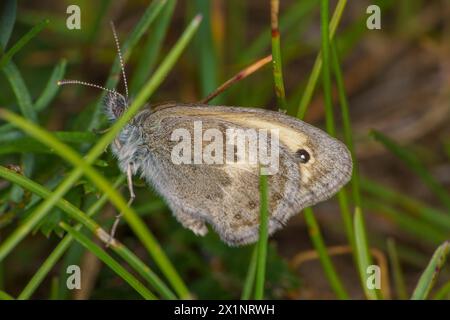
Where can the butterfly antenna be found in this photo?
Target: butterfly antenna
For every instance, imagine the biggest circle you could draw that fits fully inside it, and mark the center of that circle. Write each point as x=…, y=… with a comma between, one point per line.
x=122, y=65
x=63, y=82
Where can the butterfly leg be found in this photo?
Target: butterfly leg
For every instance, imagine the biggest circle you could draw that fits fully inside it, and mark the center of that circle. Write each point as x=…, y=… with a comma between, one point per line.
x=130, y=202
x=195, y=225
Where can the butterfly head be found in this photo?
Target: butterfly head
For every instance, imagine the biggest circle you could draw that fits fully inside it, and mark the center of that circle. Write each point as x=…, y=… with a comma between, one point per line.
x=114, y=103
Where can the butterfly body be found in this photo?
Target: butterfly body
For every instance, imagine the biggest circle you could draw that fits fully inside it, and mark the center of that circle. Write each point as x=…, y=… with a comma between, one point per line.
x=312, y=166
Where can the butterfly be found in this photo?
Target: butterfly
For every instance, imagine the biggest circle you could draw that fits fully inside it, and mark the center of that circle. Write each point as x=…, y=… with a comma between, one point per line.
x=311, y=165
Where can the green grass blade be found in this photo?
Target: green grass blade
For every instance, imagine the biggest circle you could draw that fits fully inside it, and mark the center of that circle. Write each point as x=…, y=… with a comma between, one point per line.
x=83, y=165
x=51, y=89
x=396, y=268
x=313, y=227
x=277, y=65
x=7, y=20
x=141, y=27
x=20, y=91
x=296, y=13
x=263, y=237
x=319, y=245
x=443, y=292
x=364, y=258
x=410, y=224
x=60, y=249
x=414, y=163
x=314, y=76
x=204, y=47
x=5, y=296
x=346, y=122
x=250, y=278
x=413, y=207
x=27, y=144
x=109, y=261
x=152, y=47
x=22, y=42
x=75, y=213
x=54, y=289
x=431, y=272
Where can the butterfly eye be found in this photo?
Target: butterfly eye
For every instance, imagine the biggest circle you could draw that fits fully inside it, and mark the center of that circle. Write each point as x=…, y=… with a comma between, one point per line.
x=303, y=155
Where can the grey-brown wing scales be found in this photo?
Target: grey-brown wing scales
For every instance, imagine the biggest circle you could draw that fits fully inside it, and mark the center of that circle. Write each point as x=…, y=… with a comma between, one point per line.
x=224, y=195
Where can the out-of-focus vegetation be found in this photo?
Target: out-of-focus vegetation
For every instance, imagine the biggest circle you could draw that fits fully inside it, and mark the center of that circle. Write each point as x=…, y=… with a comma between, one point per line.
x=384, y=92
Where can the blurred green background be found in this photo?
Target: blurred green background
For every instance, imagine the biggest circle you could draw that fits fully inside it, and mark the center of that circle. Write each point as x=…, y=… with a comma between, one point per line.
x=397, y=84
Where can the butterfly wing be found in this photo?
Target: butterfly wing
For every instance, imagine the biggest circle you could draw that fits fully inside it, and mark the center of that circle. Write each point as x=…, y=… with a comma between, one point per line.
x=226, y=195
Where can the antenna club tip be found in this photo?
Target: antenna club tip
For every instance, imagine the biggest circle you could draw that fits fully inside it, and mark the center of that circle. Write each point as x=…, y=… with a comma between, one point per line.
x=59, y=82
x=198, y=18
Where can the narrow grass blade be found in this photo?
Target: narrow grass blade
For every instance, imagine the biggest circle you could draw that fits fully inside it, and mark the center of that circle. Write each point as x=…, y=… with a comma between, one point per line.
x=314, y=76
x=62, y=246
x=431, y=272
x=276, y=54
x=414, y=163
x=54, y=289
x=22, y=42
x=319, y=245
x=364, y=258
x=28, y=144
x=346, y=122
x=326, y=75
x=415, y=226
x=250, y=278
x=153, y=45
x=75, y=213
x=315, y=235
x=443, y=292
x=413, y=207
x=20, y=91
x=399, y=280
x=263, y=237
x=51, y=89
x=109, y=261
x=141, y=27
x=83, y=165
x=204, y=47
x=295, y=13
x=7, y=20
x=5, y=296
x=238, y=77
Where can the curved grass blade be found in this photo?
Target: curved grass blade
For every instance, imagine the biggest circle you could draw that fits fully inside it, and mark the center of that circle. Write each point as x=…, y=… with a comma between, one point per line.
x=294, y=13
x=443, y=292
x=78, y=215
x=5, y=296
x=364, y=258
x=250, y=278
x=314, y=76
x=431, y=272
x=20, y=91
x=204, y=47
x=417, y=209
x=319, y=245
x=263, y=237
x=51, y=89
x=109, y=261
x=152, y=47
x=414, y=163
x=22, y=42
x=28, y=144
x=7, y=20
x=399, y=280
x=84, y=165
x=142, y=26
x=276, y=56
